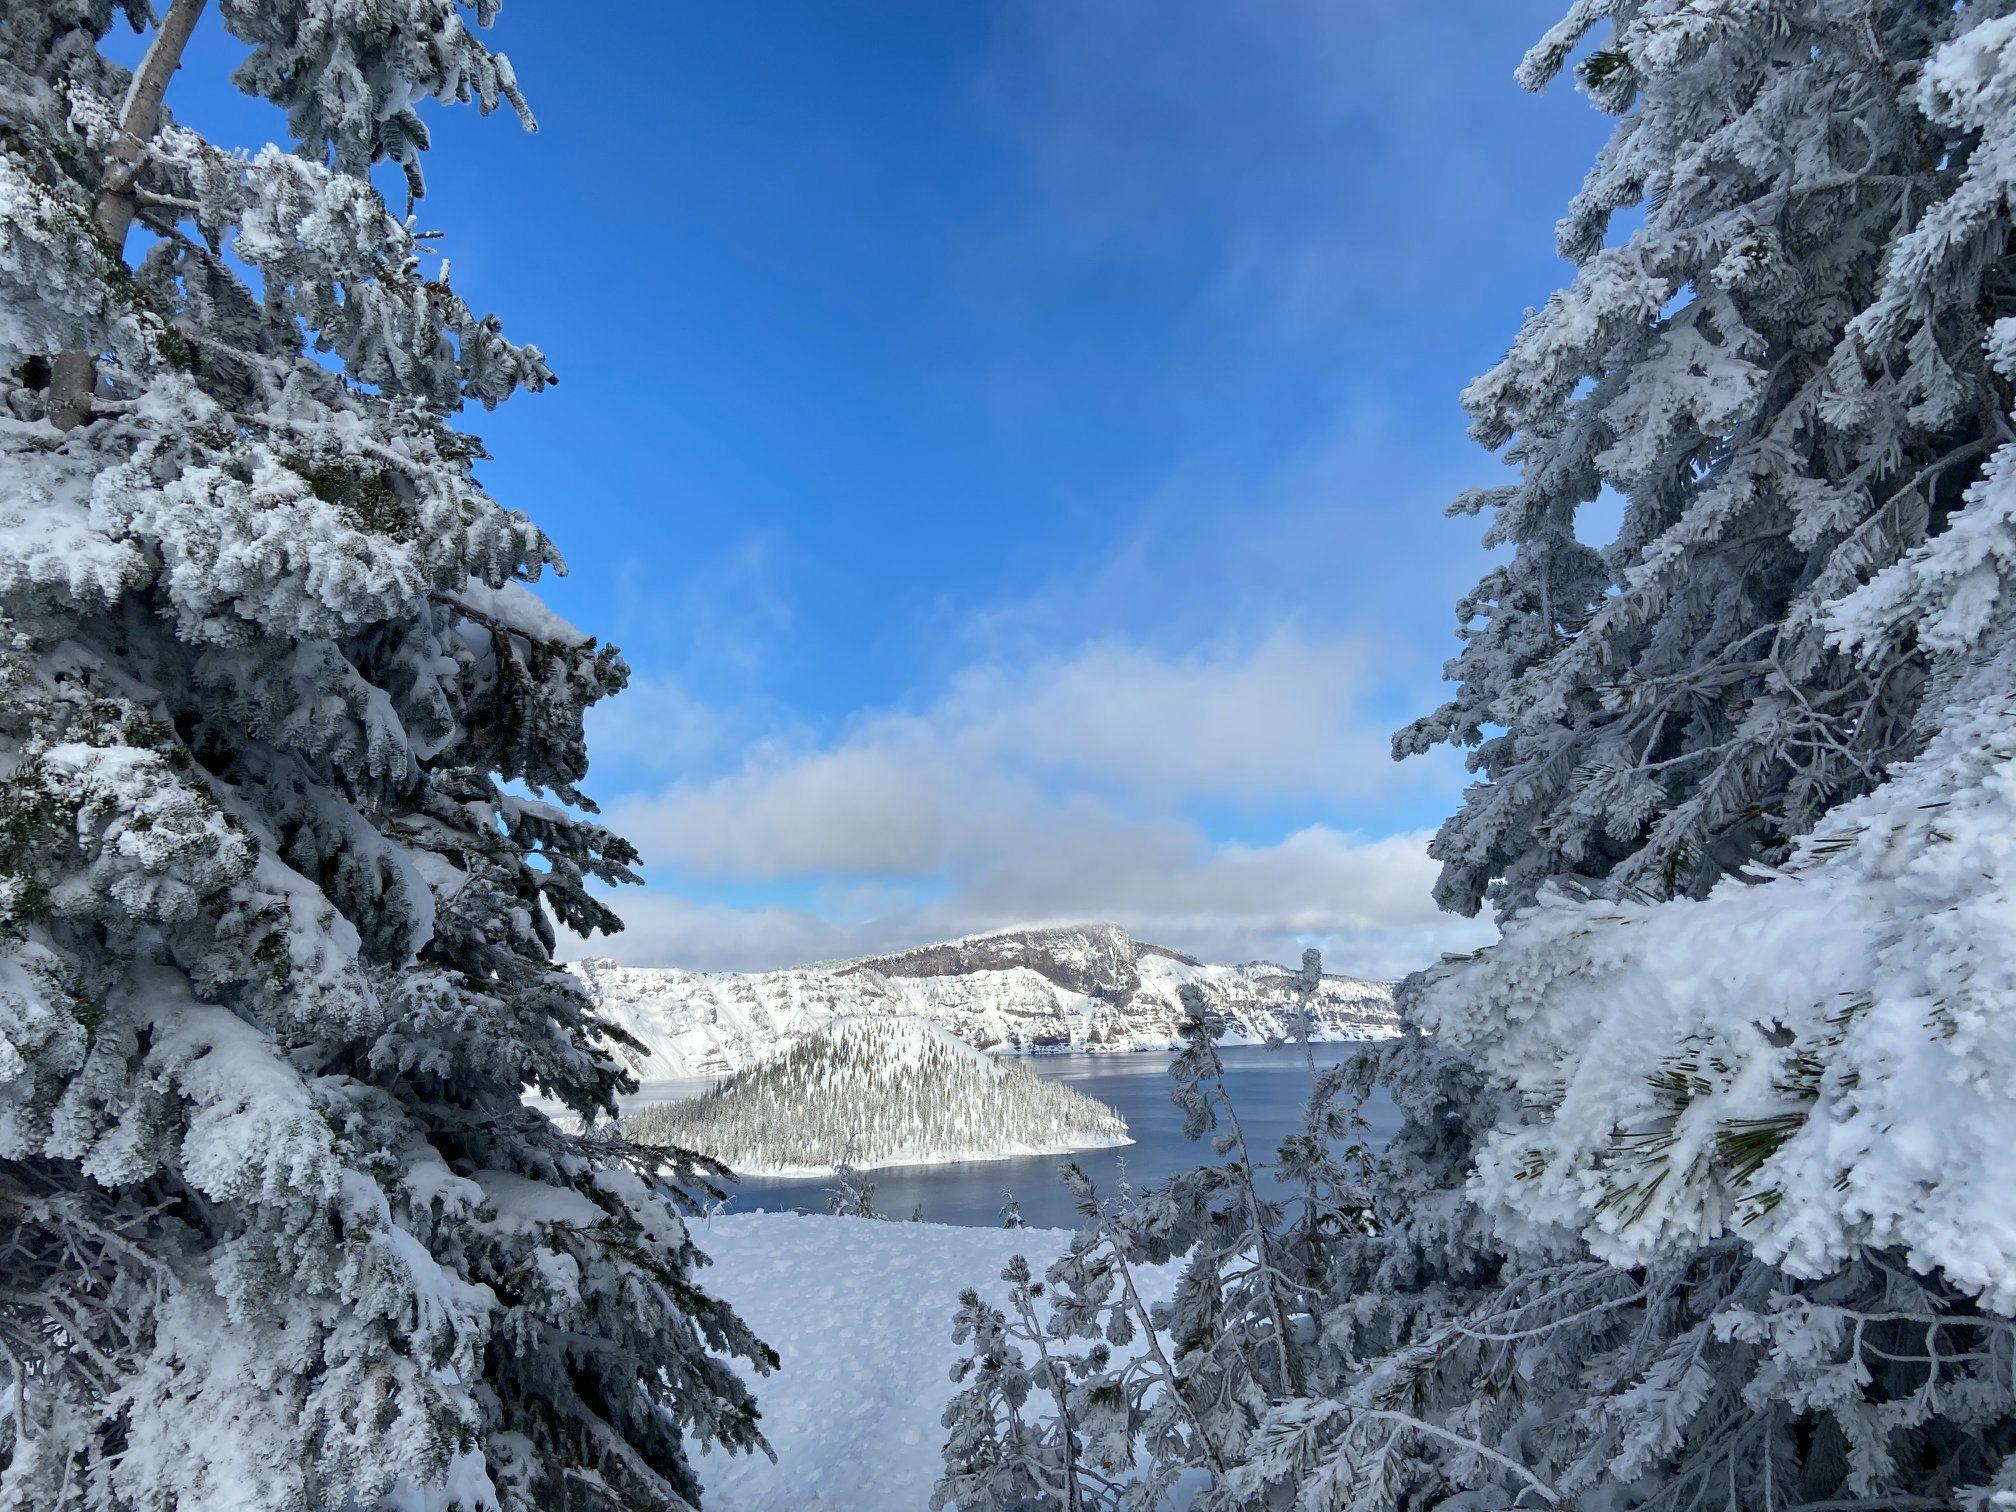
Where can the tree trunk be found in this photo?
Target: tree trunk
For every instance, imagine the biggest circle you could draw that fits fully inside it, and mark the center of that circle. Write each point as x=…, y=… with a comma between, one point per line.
x=1060, y=1392
x=1270, y=1276
x=1154, y=1343
x=73, y=381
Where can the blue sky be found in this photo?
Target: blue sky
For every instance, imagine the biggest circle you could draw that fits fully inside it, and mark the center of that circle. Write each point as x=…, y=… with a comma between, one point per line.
x=1008, y=442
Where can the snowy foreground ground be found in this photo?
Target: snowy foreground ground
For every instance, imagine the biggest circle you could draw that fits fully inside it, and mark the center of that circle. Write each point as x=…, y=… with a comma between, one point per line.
x=861, y=1312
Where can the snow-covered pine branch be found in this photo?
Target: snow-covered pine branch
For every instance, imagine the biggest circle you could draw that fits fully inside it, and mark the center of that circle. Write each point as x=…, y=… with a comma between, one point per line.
x=276, y=1227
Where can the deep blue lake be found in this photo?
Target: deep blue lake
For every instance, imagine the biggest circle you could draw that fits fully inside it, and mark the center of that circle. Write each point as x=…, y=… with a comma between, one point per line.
x=1267, y=1086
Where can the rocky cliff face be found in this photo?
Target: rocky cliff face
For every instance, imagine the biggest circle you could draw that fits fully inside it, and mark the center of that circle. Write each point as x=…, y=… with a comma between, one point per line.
x=1093, y=987
x=1094, y=960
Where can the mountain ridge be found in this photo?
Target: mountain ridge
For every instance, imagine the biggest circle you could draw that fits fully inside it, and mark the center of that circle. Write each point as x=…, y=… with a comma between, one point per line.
x=1058, y=987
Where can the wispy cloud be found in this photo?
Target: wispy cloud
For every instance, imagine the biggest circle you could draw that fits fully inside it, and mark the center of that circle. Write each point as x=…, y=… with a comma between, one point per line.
x=1064, y=789
x=1362, y=901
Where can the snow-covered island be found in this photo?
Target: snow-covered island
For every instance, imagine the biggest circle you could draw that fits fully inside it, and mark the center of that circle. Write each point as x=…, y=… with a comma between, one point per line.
x=879, y=1091
x=1088, y=987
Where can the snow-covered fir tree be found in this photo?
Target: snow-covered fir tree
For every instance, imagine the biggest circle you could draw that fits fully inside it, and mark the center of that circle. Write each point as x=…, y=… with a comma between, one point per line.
x=1325, y=1164
x=1236, y=1336
x=1785, y=375
x=852, y=1195
x=1718, y=1095
x=1125, y=1422
x=277, y=1229
x=1237, y=1295
x=1702, y=1194
x=997, y=1456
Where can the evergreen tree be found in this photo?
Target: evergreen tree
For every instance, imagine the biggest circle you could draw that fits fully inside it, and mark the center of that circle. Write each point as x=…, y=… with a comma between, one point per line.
x=992, y=1456
x=1175, y=1390
x=1784, y=374
x=1234, y=1305
x=995, y=1456
x=1326, y=1161
x=1665, y=1215
x=277, y=1229
x=1699, y=1200
x=850, y=1196
x=1142, y=1423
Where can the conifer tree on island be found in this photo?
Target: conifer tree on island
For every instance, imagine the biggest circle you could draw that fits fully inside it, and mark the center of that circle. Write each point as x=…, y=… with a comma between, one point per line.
x=276, y=927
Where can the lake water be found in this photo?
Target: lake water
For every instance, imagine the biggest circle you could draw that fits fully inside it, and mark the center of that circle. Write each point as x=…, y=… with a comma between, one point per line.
x=1267, y=1086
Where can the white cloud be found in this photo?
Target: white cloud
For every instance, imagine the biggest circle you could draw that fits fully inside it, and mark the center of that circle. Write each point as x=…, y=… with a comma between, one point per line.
x=1279, y=719
x=1057, y=792
x=977, y=773
x=1363, y=902
x=873, y=808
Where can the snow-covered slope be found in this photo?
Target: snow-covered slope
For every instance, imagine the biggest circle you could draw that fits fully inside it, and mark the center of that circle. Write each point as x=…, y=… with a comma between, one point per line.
x=880, y=1091
x=1093, y=987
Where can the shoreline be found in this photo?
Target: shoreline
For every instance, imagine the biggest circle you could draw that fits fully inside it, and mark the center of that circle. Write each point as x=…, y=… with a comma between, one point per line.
x=804, y=1173
x=1234, y=1040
